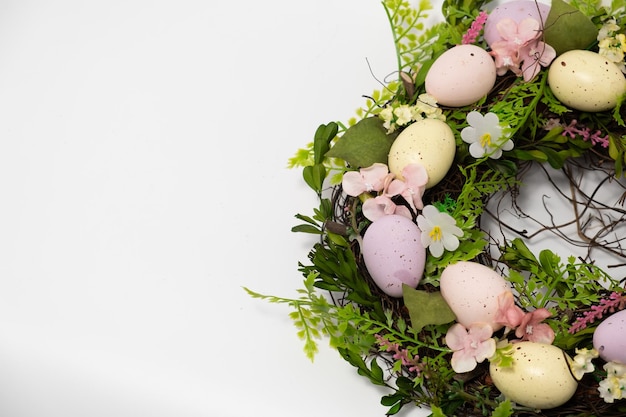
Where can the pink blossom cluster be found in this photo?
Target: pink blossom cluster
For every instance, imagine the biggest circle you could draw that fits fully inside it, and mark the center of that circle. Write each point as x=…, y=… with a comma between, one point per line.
x=527, y=325
x=613, y=303
x=400, y=354
x=520, y=48
x=575, y=129
x=377, y=179
x=474, y=30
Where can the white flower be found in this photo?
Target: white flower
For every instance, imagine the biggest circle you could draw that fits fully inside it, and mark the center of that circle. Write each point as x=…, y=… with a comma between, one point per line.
x=404, y=114
x=582, y=362
x=439, y=231
x=612, y=387
x=484, y=134
x=386, y=115
x=615, y=369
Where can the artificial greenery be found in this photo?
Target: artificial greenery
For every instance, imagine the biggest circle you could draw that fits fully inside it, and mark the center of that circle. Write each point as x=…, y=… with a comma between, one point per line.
x=399, y=343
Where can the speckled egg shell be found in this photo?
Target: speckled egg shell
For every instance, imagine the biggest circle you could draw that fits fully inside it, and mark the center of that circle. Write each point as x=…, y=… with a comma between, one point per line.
x=393, y=253
x=471, y=290
x=517, y=10
x=461, y=76
x=609, y=338
x=429, y=142
x=586, y=81
x=539, y=377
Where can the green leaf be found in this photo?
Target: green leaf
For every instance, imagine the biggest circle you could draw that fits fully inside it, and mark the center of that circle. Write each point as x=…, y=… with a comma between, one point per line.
x=363, y=144
x=568, y=28
x=426, y=308
x=437, y=412
x=504, y=409
x=314, y=176
x=323, y=135
x=306, y=228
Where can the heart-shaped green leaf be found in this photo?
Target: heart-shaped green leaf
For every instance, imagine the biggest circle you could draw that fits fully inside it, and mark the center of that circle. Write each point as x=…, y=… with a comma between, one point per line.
x=426, y=308
x=363, y=144
x=567, y=28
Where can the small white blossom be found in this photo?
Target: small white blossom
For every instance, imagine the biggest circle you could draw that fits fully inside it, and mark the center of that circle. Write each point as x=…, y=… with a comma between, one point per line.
x=484, y=134
x=612, y=387
x=439, y=231
x=403, y=114
x=582, y=362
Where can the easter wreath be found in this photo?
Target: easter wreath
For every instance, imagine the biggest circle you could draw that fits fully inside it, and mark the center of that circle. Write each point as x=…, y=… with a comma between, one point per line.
x=408, y=283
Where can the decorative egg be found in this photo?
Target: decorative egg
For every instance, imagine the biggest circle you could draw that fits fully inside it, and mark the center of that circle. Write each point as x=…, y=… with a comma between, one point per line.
x=539, y=377
x=471, y=290
x=586, y=81
x=609, y=338
x=429, y=142
x=461, y=76
x=517, y=10
x=393, y=253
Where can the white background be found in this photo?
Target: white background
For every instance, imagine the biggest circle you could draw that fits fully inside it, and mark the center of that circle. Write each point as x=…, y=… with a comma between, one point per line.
x=143, y=182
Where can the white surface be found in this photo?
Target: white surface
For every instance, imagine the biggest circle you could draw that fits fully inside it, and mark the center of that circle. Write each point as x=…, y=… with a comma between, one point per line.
x=143, y=151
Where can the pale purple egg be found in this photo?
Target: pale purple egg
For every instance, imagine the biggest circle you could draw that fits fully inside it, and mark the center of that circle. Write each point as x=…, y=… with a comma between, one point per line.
x=393, y=253
x=517, y=10
x=609, y=338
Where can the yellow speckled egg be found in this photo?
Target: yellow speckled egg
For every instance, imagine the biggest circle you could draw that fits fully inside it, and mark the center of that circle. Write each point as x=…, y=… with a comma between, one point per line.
x=429, y=142
x=540, y=376
x=586, y=81
x=460, y=76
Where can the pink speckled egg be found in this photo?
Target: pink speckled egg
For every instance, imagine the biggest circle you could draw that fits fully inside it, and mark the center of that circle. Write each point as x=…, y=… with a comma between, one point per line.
x=609, y=338
x=517, y=10
x=461, y=76
x=471, y=290
x=393, y=253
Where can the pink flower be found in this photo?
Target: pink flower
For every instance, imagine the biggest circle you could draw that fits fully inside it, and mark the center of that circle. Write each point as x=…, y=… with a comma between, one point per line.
x=533, y=330
x=535, y=56
x=382, y=205
x=365, y=180
x=520, y=48
x=471, y=346
x=413, y=187
x=519, y=34
x=477, y=25
x=508, y=313
x=613, y=303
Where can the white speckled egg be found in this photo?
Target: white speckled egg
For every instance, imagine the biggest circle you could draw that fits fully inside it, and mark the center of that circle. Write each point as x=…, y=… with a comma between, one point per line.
x=609, y=338
x=540, y=376
x=429, y=142
x=471, y=290
x=517, y=10
x=393, y=253
x=461, y=76
x=586, y=81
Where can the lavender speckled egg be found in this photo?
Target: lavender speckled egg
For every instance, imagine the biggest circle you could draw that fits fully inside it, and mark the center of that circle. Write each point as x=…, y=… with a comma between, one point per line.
x=517, y=10
x=586, y=81
x=393, y=253
x=539, y=378
x=471, y=290
x=609, y=338
x=429, y=142
x=461, y=76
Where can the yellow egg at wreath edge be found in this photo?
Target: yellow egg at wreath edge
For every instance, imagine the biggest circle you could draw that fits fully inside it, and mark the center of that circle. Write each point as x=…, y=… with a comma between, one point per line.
x=586, y=81
x=539, y=378
x=429, y=142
